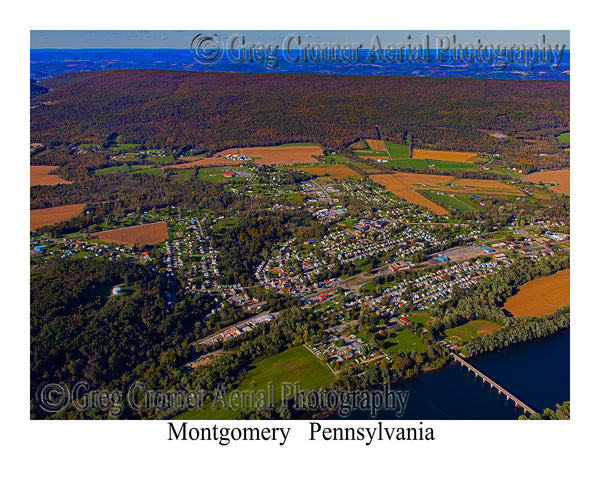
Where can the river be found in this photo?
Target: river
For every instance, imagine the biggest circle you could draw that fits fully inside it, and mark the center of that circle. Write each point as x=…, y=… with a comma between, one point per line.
x=536, y=372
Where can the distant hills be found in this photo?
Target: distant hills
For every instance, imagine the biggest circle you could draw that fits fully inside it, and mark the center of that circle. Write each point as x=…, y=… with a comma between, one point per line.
x=36, y=89
x=214, y=111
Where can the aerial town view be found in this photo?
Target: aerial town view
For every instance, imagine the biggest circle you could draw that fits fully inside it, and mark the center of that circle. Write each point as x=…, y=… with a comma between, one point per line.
x=276, y=243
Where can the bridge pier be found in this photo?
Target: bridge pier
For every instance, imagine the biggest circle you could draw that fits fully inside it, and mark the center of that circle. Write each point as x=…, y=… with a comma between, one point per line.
x=484, y=378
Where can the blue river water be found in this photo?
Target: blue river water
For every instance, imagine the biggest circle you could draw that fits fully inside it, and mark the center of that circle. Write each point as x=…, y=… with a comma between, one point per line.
x=536, y=372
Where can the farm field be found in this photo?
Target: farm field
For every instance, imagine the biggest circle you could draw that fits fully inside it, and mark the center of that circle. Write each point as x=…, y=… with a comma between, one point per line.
x=561, y=177
x=541, y=296
x=43, y=217
x=564, y=137
x=471, y=330
x=181, y=175
x=467, y=157
x=402, y=184
x=279, y=155
x=479, y=187
x=294, y=365
x=148, y=234
x=365, y=167
x=414, y=163
x=370, y=148
x=204, y=162
x=333, y=170
x=371, y=154
x=376, y=145
x=40, y=175
x=110, y=170
x=452, y=202
x=416, y=179
x=445, y=166
x=397, y=151
x=404, y=341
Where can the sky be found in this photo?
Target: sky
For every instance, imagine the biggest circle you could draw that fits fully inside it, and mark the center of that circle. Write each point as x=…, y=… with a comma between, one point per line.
x=181, y=39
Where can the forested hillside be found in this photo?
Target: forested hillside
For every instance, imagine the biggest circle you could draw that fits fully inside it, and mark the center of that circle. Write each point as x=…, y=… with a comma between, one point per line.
x=213, y=111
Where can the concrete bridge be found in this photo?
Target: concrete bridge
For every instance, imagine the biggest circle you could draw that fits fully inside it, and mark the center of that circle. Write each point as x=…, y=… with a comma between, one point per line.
x=485, y=378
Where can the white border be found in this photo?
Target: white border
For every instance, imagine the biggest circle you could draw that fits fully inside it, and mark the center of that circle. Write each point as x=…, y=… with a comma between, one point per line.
x=463, y=449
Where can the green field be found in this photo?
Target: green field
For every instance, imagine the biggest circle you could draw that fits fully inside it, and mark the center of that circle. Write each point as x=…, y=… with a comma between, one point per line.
x=397, y=151
x=445, y=166
x=405, y=341
x=109, y=170
x=371, y=153
x=125, y=146
x=294, y=365
x=181, y=175
x=362, y=165
x=420, y=318
x=471, y=330
x=455, y=203
x=564, y=137
x=414, y=163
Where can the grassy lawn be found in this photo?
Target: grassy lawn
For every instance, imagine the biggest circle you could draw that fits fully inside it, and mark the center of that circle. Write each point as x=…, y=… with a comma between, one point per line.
x=420, y=318
x=404, y=341
x=294, y=365
x=564, y=137
x=397, y=151
x=225, y=223
x=470, y=330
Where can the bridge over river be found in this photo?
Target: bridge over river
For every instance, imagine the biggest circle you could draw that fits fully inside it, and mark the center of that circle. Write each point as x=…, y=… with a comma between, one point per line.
x=485, y=378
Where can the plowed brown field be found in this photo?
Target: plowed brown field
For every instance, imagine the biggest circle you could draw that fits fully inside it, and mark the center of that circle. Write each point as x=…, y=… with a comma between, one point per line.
x=541, y=296
x=376, y=145
x=334, y=171
x=468, y=157
x=40, y=175
x=485, y=187
x=148, y=234
x=42, y=217
x=561, y=177
x=287, y=155
x=402, y=184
